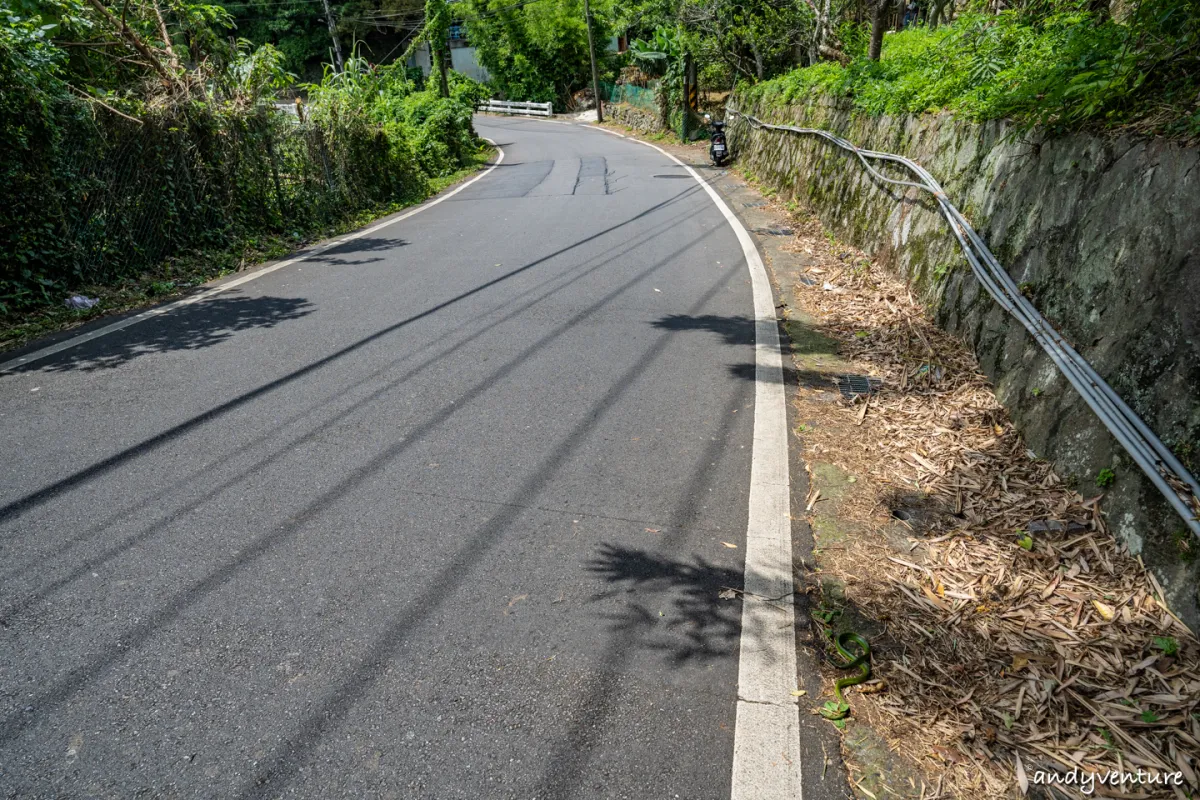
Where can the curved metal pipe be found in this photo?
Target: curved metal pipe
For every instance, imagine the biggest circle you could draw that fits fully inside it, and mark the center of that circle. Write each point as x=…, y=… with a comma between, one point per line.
x=1147, y=450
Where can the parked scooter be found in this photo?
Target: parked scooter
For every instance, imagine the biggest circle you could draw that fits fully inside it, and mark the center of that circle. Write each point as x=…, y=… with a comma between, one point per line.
x=718, y=150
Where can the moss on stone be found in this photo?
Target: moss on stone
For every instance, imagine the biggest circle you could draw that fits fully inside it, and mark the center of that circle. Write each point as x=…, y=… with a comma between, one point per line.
x=1112, y=255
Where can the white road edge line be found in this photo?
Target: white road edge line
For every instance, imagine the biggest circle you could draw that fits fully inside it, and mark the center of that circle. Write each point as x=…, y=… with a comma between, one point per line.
x=206, y=294
x=766, y=742
x=621, y=135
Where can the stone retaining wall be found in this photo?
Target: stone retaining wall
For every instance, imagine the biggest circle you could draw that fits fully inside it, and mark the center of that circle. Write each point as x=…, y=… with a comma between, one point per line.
x=1102, y=233
x=635, y=117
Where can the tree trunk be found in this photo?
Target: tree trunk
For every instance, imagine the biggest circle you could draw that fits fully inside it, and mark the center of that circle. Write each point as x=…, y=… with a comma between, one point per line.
x=800, y=55
x=437, y=25
x=878, y=24
x=337, y=45
x=821, y=30
x=587, y=19
x=166, y=37
x=758, y=60
x=443, y=55
x=134, y=41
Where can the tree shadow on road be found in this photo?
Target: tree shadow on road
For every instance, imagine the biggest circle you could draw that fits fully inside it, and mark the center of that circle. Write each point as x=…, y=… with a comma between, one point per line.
x=809, y=379
x=189, y=327
x=739, y=330
x=688, y=609
x=734, y=329
x=704, y=625
x=343, y=254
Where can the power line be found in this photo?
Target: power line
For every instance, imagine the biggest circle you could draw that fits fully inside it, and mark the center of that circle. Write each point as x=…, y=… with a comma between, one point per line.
x=496, y=11
x=245, y=4
x=321, y=18
x=384, y=16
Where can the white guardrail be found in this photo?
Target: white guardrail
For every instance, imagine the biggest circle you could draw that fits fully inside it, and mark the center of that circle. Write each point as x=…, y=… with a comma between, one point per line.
x=526, y=109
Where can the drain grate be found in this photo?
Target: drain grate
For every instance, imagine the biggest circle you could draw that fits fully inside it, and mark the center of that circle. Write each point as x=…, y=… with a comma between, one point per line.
x=672, y=176
x=755, y=204
x=853, y=385
x=774, y=231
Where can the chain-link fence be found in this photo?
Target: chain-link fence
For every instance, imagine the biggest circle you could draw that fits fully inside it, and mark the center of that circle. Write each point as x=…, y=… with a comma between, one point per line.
x=643, y=97
x=107, y=196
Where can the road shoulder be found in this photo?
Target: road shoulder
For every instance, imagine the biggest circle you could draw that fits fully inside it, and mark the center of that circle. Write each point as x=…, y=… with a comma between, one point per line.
x=823, y=772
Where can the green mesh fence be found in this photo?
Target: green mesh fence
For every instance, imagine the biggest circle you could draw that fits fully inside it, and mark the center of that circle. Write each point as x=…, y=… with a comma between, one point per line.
x=99, y=197
x=642, y=97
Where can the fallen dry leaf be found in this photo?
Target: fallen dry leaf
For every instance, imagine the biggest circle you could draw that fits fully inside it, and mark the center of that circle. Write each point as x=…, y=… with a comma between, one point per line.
x=990, y=652
x=1104, y=610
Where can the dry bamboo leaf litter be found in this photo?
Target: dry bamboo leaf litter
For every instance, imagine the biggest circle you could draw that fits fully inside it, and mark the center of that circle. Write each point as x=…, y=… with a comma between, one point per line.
x=1015, y=625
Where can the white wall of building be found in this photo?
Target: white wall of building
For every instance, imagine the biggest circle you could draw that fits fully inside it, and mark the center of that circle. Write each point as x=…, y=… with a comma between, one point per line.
x=462, y=59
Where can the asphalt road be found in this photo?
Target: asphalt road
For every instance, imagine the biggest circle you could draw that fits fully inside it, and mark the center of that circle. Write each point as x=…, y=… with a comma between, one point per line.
x=443, y=512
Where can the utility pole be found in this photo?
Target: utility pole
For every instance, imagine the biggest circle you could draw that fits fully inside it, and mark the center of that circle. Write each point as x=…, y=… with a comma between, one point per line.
x=337, y=46
x=587, y=13
x=691, y=95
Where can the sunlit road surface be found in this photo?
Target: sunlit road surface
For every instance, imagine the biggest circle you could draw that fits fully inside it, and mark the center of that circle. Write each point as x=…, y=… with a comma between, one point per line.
x=442, y=512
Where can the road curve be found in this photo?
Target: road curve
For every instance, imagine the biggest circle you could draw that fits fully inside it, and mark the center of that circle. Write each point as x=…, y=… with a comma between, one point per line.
x=442, y=512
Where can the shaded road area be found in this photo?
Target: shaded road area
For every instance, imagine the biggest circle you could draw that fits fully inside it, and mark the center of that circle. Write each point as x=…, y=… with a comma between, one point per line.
x=443, y=512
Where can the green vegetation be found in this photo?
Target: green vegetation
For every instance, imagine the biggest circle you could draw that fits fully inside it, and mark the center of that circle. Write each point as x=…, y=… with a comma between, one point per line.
x=117, y=165
x=181, y=273
x=144, y=132
x=1184, y=544
x=534, y=50
x=1064, y=68
x=1167, y=644
x=538, y=51
x=1105, y=478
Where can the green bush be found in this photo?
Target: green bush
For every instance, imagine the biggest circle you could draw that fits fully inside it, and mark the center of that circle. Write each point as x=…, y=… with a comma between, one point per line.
x=441, y=131
x=92, y=196
x=467, y=91
x=435, y=133
x=1063, y=70
x=108, y=197
x=537, y=52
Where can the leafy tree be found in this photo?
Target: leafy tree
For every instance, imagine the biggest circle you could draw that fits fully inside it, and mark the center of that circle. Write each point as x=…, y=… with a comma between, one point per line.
x=1059, y=65
x=295, y=28
x=139, y=130
x=536, y=51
